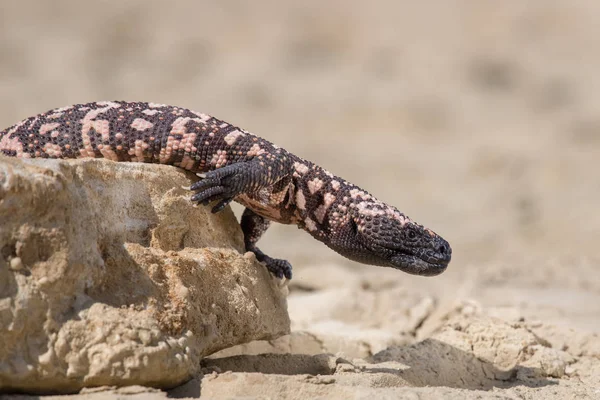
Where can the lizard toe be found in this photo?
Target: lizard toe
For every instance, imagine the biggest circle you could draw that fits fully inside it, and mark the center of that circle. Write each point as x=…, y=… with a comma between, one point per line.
x=221, y=205
x=279, y=268
x=209, y=194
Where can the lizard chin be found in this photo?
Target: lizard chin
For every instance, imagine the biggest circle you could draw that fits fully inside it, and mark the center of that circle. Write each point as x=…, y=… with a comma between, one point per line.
x=416, y=266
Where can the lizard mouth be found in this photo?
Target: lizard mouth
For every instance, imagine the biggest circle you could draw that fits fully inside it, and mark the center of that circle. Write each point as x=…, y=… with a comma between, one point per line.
x=414, y=265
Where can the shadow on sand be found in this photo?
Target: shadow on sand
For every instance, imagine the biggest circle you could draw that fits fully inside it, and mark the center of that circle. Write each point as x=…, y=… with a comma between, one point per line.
x=427, y=363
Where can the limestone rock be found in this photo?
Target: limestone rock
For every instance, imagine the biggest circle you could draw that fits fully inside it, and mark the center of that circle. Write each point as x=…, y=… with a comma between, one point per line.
x=109, y=276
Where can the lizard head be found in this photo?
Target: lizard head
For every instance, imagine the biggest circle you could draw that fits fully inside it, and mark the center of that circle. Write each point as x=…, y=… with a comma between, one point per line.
x=378, y=234
x=408, y=246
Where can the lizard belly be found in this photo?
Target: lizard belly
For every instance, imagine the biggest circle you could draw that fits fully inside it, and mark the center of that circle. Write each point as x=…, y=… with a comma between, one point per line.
x=273, y=212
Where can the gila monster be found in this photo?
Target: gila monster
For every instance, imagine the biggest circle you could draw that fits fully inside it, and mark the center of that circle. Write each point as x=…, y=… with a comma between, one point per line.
x=273, y=184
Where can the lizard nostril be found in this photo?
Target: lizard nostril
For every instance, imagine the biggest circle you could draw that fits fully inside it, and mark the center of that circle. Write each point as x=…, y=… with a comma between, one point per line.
x=443, y=249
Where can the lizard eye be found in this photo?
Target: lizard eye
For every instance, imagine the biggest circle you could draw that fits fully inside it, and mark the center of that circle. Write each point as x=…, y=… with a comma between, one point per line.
x=412, y=235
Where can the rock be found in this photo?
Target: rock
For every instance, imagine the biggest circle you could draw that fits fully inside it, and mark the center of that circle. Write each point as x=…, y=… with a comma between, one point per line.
x=477, y=352
x=294, y=343
x=577, y=342
x=286, y=364
x=109, y=276
x=353, y=321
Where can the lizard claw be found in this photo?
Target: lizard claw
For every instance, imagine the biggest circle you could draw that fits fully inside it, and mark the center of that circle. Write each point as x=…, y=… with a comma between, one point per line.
x=279, y=268
x=221, y=185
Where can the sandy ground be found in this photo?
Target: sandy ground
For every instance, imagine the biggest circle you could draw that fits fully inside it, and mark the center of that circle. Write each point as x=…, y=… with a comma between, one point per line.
x=478, y=119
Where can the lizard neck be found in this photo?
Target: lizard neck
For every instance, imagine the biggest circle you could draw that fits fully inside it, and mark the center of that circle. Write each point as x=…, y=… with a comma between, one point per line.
x=317, y=192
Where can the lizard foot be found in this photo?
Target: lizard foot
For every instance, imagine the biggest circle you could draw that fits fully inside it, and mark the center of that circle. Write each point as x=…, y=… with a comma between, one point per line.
x=278, y=267
x=221, y=184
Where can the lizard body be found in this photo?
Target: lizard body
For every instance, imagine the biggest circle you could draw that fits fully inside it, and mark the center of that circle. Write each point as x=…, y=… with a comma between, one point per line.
x=273, y=184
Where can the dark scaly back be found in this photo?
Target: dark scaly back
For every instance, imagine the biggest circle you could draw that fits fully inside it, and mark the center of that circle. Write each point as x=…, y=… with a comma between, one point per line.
x=134, y=131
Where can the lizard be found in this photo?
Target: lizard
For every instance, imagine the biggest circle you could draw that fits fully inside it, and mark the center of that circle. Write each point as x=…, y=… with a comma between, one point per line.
x=234, y=164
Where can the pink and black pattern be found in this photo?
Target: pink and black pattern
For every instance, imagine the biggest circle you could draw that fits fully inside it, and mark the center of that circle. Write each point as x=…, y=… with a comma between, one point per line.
x=272, y=183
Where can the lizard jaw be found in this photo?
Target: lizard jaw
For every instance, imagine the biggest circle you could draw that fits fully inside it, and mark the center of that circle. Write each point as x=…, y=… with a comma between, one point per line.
x=416, y=266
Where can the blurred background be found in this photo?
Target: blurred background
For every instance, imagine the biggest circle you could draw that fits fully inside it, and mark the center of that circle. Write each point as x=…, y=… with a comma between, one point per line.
x=477, y=118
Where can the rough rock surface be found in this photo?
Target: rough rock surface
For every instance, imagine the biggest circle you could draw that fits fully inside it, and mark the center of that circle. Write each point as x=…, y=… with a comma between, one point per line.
x=109, y=276
x=470, y=356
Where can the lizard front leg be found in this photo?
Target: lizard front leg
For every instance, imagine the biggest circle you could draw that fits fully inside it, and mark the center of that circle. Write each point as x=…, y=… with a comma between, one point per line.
x=253, y=227
x=246, y=177
x=224, y=184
